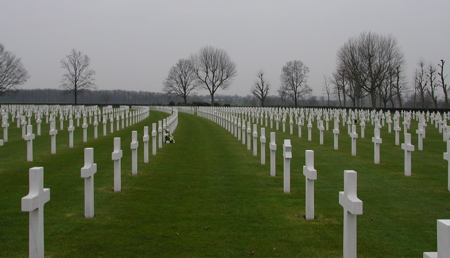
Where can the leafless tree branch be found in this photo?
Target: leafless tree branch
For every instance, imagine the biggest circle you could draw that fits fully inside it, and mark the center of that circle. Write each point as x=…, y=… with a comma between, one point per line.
x=214, y=69
x=12, y=72
x=78, y=77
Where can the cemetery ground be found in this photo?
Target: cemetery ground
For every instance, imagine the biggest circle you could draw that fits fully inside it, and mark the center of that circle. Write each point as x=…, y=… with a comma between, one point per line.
x=207, y=195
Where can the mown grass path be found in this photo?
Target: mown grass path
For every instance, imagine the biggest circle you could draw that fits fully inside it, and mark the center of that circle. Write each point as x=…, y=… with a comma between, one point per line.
x=207, y=195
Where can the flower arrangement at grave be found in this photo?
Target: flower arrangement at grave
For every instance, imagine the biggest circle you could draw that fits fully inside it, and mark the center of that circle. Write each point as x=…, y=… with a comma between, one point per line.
x=168, y=138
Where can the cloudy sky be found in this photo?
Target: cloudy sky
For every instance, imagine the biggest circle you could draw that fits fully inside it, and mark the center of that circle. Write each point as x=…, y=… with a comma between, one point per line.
x=133, y=44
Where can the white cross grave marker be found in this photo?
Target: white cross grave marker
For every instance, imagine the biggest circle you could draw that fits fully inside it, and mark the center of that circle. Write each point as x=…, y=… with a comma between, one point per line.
x=84, y=126
x=397, y=130
x=95, y=127
x=71, y=128
x=363, y=128
x=239, y=129
x=38, y=123
x=145, y=139
x=273, y=149
x=389, y=122
x=443, y=240
x=408, y=148
x=291, y=125
x=61, y=122
x=321, y=129
x=243, y=131
x=287, y=154
x=255, y=140
x=263, y=145
x=249, y=133
x=420, y=133
x=134, y=147
x=300, y=124
x=354, y=136
x=87, y=172
x=117, y=156
x=154, y=133
x=53, y=132
x=34, y=204
x=310, y=174
x=336, y=134
x=29, y=137
x=5, y=126
x=160, y=134
x=309, y=129
x=104, y=125
x=352, y=207
x=447, y=157
x=376, y=146
x=111, y=123
x=24, y=126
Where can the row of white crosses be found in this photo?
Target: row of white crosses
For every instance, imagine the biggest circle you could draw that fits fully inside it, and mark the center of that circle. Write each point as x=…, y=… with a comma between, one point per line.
x=29, y=136
x=38, y=196
x=232, y=117
x=347, y=198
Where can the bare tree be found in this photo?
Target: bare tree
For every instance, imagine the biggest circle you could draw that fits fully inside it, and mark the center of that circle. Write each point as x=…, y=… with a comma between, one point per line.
x=432, y=86
x=386, y=91
x=78, y=77
x=261, y=88
x=338, y=80
x=420, y=84
x=12, y=72
x=106, y=97
x=442, y=82
x=367, y=60
x=327, y=88
x=294, y=81
x=214, y=69
x=399, y=85
x=181, y=80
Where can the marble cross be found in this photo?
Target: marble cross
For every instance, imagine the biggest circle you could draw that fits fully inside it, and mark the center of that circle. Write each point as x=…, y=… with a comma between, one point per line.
x=84, y=126
x=420, y=134
x=116, y=156
x=34, y=204
x=145, y=140
x=53, y=132
x=154, y=133
x=336, y=134
x=255, y=140
x=408, y=148
x=376, y=146
x=273, y=149
x=443, y=240
x=134, y=147
x=287, y=154
x=447, y=157
x=249, y=138
x=352, y=207
x=71, y=128
x=5, y=126
x=310, y=174
x=88, y=172
x=321, y=129
x=29, y=137
x=354, y=136
x=263, y=145
x=160, y=134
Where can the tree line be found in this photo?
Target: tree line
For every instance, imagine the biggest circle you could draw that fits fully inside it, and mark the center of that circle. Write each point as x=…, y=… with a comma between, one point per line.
x=369, y=73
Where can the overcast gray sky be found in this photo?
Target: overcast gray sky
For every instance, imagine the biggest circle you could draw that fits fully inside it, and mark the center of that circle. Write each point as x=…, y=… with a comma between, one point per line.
x=133, y=44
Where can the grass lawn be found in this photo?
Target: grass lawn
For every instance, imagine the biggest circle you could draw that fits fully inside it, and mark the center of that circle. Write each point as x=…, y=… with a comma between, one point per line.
x=207, y=195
